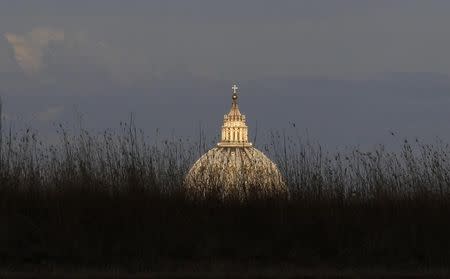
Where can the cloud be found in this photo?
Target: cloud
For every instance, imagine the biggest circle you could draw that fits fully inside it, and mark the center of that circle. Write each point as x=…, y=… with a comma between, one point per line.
x=71, y=59
x=29, y=48
x=50, y=114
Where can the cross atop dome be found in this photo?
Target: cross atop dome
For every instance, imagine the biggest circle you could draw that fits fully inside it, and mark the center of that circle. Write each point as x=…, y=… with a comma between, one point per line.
x=235, y=88
x=234, y=96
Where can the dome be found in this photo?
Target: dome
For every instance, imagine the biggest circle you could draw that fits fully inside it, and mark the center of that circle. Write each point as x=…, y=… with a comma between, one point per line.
x=235, y=171
x=234, y=168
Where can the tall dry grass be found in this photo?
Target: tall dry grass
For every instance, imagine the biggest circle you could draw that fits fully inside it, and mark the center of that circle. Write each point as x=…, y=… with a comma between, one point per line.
x=112, y=200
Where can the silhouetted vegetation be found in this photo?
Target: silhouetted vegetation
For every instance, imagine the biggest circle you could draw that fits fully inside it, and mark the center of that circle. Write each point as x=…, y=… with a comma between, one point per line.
x=114, y=201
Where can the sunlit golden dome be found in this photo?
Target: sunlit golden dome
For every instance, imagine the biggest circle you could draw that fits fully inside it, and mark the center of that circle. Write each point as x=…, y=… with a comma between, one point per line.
x=235, y=168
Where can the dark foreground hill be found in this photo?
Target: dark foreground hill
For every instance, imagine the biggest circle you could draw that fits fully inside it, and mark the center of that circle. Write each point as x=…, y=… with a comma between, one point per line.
x=138, y=230
x=112, y=203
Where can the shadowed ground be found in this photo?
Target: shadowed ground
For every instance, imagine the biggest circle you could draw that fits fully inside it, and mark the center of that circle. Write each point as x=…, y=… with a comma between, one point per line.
x=116, y=204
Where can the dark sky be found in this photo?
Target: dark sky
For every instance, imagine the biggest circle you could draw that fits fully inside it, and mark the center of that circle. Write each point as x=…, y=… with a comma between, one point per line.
x=345, y=72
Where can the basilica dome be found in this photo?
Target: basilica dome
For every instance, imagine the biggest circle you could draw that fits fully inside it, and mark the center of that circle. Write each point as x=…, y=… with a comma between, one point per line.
x=234, y=168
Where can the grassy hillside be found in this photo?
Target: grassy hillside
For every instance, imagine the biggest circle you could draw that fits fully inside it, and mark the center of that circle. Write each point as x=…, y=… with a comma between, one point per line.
x=113, y=201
